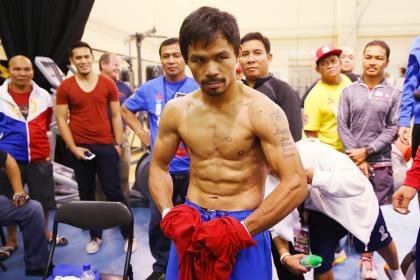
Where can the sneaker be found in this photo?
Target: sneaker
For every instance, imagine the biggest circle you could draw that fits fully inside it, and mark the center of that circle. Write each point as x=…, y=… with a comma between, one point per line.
x=133, y=247
x=94, y=245
x=339, y=257
x=368, y=269
x=156, y=276
x=393, y=274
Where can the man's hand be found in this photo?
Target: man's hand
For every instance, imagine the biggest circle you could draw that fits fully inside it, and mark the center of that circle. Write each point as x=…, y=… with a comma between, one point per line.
x=309, y=172
x=79, y=152
x=144, y=137
x=357, y=155
x=401, y=199
x=364, y=167
x=404, y=135
x=293, y=264
x=118, y=149
x=19, y=198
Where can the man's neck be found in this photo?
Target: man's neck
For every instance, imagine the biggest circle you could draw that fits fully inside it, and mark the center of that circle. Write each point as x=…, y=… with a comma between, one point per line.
x=231, y=93
x=175, y=78
x=20, y=89
x=251, y=83
x=333, y=81
x=89, y=77
x=372, y=81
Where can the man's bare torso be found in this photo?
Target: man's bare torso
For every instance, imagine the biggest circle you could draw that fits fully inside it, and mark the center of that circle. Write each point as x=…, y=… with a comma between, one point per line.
x=228, y=168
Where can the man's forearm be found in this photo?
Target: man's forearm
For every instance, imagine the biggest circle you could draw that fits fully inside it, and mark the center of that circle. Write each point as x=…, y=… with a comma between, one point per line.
x=65, y=133
x=13, y=173
x=161, y=188
x=286, y=197
x=134, y=124
x=118, y=129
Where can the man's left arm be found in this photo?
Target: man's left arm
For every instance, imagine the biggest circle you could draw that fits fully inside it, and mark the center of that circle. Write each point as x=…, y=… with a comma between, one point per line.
x=269, y=123
x=13, y=173
x=116, y=123
x=389, y=133
x=291, y=107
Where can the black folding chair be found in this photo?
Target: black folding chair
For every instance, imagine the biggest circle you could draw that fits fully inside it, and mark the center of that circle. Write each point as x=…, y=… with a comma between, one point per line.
x=94, y=215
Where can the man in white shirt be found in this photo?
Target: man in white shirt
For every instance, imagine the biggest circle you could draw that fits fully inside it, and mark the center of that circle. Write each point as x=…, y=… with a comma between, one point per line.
x=340, y=197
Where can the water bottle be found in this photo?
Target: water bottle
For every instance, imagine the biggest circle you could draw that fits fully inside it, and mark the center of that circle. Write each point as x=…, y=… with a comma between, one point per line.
x=311, y=261
x=87, y=273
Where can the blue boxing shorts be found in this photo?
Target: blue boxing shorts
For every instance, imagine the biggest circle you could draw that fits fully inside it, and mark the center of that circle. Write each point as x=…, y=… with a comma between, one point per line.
x=251, y=263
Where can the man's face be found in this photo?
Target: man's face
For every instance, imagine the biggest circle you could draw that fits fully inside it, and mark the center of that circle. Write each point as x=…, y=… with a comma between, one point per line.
x=329, y=67
x=347, y=60
x=82, y=59
x=254, y=59
x=172, y=61
x=21, y=72
x=113, y=68
x=374, y=61
x=213, y=66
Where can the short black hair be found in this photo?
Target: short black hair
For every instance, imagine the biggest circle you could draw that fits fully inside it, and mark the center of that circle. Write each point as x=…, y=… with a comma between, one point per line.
x=381, y=44
x=79, y=44
x=259, y=37
x=168, y=42
x=104, y=59
x=204, y=25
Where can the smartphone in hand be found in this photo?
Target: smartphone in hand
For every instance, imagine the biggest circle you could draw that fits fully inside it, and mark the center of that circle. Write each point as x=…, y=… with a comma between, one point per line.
x=88, y=155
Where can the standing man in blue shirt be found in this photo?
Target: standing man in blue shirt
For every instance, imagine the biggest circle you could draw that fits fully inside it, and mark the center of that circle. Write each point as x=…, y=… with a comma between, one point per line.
x=109, y=65
x=152, y=97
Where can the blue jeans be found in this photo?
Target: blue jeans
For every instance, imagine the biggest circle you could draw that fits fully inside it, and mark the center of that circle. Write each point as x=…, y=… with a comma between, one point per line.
x=251, y=263
x=30, y=218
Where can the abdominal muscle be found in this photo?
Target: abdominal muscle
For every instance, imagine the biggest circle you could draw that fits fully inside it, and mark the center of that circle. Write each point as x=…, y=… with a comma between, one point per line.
x=220, y=184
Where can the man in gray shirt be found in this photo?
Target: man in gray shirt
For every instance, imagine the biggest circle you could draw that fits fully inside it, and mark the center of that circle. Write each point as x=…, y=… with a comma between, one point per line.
x=368, y=120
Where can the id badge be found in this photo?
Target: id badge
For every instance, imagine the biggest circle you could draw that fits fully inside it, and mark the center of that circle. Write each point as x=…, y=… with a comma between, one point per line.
x=301, y=239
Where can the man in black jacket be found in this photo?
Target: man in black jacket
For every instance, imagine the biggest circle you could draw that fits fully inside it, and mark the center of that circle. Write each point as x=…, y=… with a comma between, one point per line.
x=255, y=58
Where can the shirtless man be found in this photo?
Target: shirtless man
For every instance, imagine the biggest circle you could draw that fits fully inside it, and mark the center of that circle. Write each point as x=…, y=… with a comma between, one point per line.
x=234, y=135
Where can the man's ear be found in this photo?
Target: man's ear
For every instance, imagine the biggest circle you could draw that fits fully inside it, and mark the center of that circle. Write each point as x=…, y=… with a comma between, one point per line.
x=270, y=57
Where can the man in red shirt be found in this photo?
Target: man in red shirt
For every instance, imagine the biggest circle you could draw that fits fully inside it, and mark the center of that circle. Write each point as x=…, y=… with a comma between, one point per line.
x=93, y=140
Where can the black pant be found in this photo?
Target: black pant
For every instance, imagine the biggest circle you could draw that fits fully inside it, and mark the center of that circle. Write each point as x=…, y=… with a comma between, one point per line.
x=106, y=165
x=282, y=272
x=415, y=139
x=159, y=244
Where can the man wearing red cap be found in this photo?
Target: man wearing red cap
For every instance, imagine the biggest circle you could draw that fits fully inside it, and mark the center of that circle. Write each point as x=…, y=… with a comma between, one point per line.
x=321, y=104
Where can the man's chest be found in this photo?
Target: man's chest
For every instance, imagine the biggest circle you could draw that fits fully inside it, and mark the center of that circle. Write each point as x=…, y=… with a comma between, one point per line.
x=217, y=136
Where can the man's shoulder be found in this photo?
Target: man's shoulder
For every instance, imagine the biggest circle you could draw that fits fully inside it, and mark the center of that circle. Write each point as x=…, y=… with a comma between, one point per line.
x=191, y=84
x=156, y=83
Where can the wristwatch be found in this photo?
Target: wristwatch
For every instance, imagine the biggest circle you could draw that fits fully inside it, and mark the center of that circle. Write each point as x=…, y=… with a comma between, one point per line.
x=122, y=146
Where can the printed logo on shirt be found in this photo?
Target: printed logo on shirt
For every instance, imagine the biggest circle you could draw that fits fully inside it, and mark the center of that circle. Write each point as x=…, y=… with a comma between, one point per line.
x=182, y=151
x=179, y=94
x=158, y=96
x=379, y=95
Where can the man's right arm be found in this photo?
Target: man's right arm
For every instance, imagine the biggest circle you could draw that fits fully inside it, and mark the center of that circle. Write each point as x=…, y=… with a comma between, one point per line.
x=61, y=113
x=166, y=144
x=135, y=125
x=343, y=121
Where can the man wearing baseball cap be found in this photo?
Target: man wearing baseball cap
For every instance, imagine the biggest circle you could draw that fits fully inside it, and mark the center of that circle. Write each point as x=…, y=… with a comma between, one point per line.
x=321, y=104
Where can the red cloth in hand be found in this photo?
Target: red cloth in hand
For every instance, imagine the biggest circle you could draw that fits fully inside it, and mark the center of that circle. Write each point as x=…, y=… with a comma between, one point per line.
x=179, y=225
x=217, y=243
x=206, y=251
x=413, y=175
